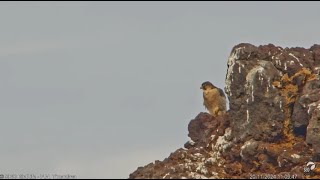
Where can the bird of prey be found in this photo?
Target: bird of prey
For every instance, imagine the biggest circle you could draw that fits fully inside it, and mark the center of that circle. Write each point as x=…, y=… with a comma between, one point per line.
x=214, y=99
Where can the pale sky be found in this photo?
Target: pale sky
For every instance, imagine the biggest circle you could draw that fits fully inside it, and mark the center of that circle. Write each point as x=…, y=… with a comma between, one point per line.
x=97, y=89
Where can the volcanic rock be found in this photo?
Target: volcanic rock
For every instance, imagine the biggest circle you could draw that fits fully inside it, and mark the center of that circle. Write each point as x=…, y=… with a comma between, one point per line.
x=272, y=129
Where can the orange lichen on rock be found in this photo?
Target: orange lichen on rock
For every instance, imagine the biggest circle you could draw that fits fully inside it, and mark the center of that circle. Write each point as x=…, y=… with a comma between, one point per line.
x=290, y=90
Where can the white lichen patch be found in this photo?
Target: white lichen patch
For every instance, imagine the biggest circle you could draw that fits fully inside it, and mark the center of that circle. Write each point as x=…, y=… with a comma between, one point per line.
x=252, y=96
x=295, y=156
x=251, y=76
x=310, y=106
x=317, y=69
x=278, y=61
x=248, y=146
x=280, y=104
x=227, y=133
x=191, y=142
x=291, y=63
x=197, y=176
x=285, y=66
x=290, y=54
x=279, y=163
x=201, y=169
x=187, y=166
x=239, y=66
x=260, y=78
x=193, y=158
x=165, y=175
x=247, y=116
x=182, y=156
x=269, y=84
x=212, y=137
x=215, y=176
x=280, y=73
x=231, y=62
x=309, y=110
x=248, y=143
x=173, y=169
x=198, y=154
x=210, y=161
x=221, y=144
x=216, y=155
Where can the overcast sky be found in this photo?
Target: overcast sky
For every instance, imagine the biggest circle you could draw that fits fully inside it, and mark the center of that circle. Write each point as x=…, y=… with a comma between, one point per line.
x=97, y=89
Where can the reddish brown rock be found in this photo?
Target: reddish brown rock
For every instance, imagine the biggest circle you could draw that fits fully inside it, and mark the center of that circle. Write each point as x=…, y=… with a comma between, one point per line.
x=201, y=127
x=305, y=105
x=256, y=106
x=249, y=150
x=316, y=57
x=313, y=130
x=272, y=128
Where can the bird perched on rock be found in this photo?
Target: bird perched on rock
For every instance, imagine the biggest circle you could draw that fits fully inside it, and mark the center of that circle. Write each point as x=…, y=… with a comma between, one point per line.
x=214, y=99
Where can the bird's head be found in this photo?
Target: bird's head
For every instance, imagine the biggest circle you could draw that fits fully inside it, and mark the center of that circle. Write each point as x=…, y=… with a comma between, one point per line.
x=207, y=86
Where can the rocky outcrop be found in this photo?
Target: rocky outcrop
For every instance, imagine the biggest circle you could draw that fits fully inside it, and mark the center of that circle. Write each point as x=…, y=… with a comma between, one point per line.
x=272, y=128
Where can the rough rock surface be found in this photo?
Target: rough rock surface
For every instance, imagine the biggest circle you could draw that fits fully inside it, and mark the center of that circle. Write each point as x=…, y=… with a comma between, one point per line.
x=272, y=129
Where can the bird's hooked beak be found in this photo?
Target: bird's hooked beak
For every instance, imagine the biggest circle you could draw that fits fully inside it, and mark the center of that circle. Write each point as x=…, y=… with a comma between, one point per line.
x=201, y=87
